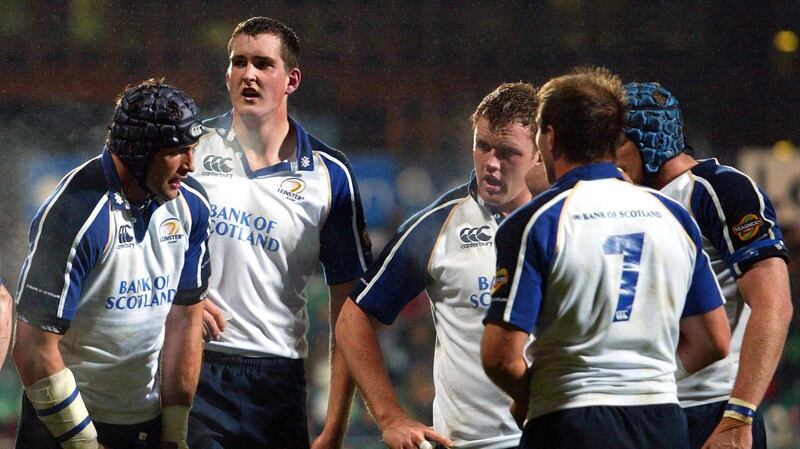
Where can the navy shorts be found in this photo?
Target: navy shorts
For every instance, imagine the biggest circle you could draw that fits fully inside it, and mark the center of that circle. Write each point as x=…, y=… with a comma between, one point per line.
x=661, y=426
x=32, y=432
x=703, y=419
x=245, y=402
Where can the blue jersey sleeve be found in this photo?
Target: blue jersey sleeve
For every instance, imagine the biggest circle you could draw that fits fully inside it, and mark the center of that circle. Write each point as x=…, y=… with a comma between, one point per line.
x=68, y=236
x=401, y=272
x=704, y=294
x=196, y=270
x=525, y=245
x=736, y=216
x=345, y=248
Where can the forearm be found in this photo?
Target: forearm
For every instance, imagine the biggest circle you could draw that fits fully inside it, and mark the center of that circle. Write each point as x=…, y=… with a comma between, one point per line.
x=765, y=288
x=761, y=351
x=361, y=350
x=342, y=386
x=502, y=358
x=181, y=355
x=36, y=354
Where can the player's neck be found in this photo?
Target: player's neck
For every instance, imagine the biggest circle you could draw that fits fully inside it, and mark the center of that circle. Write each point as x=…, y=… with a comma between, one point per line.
x=672, y=169
x=265, y=140
x=130, y=187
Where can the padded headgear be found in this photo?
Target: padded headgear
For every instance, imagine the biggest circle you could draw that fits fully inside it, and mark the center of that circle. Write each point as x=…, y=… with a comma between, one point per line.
x=654, y=124
x=150, y=117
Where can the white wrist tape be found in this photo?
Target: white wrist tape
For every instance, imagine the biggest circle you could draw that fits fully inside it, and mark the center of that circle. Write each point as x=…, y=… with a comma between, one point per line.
x=58, y=404
x=174, y=424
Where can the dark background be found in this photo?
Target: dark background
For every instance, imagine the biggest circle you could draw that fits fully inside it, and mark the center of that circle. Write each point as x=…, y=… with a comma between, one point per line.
x=392, y=84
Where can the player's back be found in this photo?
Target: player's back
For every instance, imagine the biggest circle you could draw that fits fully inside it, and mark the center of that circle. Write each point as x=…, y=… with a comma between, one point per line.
x=616, y=263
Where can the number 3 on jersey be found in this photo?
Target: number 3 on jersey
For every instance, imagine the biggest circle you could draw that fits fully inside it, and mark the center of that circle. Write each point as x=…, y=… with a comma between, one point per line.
x=630, y=246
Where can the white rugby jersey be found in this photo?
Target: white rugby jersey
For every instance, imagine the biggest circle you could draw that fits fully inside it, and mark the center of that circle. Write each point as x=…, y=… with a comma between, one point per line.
x=739, y=228
x=448, y=250
x=104, y=274
x=601, y=271
x=270, y=229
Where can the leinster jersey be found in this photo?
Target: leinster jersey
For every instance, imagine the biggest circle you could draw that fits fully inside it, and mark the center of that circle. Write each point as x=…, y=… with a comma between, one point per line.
x=104, y=274
x=739, y=228
x=601, y=271
x=270, y=229
x=448, y=250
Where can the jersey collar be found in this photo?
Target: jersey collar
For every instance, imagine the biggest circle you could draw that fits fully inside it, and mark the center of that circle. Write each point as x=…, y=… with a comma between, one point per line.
x=497, y=214
x=303, y=161
x=589, y=172
x=115, y=195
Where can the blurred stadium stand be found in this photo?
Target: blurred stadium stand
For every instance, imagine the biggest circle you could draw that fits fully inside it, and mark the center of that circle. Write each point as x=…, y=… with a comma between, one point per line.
x=393, y=84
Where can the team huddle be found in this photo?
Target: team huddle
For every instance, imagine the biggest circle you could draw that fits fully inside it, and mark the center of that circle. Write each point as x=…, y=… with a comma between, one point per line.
x=592, y=284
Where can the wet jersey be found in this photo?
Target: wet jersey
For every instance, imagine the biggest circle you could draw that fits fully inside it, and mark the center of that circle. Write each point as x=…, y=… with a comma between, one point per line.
x=104, y=274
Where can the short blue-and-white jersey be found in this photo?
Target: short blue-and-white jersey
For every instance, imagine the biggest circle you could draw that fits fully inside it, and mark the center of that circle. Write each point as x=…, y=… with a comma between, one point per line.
x=270, y=229
x=104, y=274
x=739, y=228
x=448, y=250
x=601, y=271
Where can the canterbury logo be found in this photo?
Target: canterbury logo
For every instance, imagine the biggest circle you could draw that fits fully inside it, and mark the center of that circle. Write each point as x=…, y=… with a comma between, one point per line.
x=125, y=234
x=196, y=130
x=217, y=164
x=475, y=235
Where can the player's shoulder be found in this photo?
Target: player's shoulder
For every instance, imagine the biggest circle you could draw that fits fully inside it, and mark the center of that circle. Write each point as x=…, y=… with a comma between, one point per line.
x=436, y=213
x=721, y=178
x=80, y=190
x=194, y=192
x=548, y=201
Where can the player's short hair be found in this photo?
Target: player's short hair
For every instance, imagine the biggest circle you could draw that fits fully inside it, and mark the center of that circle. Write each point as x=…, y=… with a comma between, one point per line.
x=508, y=104
x=587, y=109
x=290, y=43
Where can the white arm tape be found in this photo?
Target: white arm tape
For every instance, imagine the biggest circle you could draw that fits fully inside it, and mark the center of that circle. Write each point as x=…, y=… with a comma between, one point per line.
x=59, y=406
x=680, y=372
x=174, y=424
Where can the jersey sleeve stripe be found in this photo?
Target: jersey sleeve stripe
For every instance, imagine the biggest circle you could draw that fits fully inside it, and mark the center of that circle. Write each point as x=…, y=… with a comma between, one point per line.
x=40, y=225
x=723, y=221
x=73, y=252
x=399, y=243
x=356, y=233
x=524, y=248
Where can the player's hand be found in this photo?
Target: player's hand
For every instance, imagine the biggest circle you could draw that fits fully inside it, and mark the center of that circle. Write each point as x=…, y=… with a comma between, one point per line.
x=408, y=434
x=519, y=410
x=214, y=321
x=727, y=437
x=327, y=440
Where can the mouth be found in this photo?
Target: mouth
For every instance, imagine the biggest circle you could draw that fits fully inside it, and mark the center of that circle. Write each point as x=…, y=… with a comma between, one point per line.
x=250, y=94
x=175, y=183
x=491, y=184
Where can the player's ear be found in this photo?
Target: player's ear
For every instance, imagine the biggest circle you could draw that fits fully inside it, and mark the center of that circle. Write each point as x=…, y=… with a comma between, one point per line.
x=294, y=76
x=228, y=78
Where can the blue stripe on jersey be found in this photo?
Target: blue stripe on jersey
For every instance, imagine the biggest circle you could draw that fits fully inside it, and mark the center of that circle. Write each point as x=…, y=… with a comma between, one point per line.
x=525, y=245
x=522, y=234
x=401, y=271
x=68, y=236
x=735, y=215
x=344, y=250
x=196, y=266
x=704, y=292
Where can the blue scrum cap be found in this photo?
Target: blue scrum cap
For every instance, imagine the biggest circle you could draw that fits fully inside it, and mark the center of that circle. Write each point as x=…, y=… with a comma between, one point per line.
x=654, y=123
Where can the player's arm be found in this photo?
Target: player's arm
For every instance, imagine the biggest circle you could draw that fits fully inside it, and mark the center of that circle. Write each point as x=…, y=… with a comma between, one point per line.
x=51, y=388
x=355, y=334
x=342, y=386
x=182, y=352
x=5, y=322
x=704, y=339
x=765, y=288
x=502, y=350
x=180, y=367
